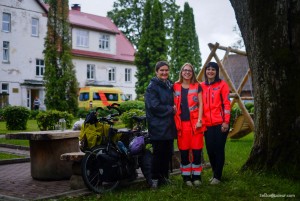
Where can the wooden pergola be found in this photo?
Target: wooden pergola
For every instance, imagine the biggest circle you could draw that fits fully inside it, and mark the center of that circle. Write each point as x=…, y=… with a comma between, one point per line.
x=236, y=131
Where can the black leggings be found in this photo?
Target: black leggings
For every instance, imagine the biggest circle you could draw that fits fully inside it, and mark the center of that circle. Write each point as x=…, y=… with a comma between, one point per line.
x=162, y=156
x=215, y=141
x=185, y=157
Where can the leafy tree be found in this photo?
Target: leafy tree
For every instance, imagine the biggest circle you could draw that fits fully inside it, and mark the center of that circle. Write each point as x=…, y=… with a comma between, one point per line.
x=60, y=76
x=152, y=46
x=185, y=44
x=273, y=47
x=128, y=16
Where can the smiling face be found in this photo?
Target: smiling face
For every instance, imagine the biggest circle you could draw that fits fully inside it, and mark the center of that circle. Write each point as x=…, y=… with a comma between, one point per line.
x=211, y=74
x=163, y=73
x=187, y=72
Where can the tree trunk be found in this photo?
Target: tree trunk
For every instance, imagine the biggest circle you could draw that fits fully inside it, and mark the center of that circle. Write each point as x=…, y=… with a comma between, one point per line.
x=271, y=31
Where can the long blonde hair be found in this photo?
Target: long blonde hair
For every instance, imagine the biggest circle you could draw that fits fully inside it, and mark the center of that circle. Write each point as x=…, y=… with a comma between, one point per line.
x=193, y=79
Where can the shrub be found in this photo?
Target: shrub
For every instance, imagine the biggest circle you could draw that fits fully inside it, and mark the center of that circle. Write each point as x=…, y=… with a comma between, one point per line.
x=33, y=114
x=16, y=117
x=235, y=112
x=48, y=120
x=2, y=115
x=132, y=104
x=126, y=117
x=249, y=106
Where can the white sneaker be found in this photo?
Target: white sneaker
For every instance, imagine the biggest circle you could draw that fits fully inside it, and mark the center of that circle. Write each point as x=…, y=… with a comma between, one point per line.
x=197, y=183
x=215, y=181
x=189, y=183
x=211, y=179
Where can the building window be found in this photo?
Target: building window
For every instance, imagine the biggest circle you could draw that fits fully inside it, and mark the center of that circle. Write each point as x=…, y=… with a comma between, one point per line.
x=82, y=38
x=39, y=67
x=6, y=22
x=4, y=88
x=5, y=51
x=127, y=75
x=34, y=27
x=90, y=72
x=104, y=42
x=112, y=74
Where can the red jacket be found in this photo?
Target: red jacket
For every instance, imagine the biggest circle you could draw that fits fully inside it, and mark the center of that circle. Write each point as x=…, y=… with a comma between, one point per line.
x=216, y=103
x=193, y=104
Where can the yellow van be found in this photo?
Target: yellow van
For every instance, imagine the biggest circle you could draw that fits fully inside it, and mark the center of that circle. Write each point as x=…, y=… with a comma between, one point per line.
x=93, y=96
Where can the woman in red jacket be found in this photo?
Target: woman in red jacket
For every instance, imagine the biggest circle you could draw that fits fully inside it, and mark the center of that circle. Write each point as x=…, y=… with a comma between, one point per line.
x=216, y=114
x=188, y=120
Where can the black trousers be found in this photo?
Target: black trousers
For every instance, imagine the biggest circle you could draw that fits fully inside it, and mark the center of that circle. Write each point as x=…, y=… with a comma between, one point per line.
x=215, y=141
x=161, y=159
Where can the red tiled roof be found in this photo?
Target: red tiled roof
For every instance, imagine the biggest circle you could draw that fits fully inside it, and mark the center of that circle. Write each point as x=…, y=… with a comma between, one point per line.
x=124, y=50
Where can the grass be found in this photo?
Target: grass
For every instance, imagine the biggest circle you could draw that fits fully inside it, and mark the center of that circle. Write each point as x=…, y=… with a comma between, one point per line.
x=236, y=185
x=31, y=126
x=5, y=156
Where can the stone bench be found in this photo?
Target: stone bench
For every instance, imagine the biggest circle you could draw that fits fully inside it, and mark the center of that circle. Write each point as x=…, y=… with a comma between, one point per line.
x=46, y=148
x=76, y=181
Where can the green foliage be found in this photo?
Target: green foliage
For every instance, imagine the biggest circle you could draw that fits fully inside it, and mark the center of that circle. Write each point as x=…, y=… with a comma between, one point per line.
x=185, y=44
x=152, y=45
x=128, y=16
x=81, y=113
x=49, y=119
x=16, y=117
x=236, y=111
x=126, y=117
x=133, y=104
x=60, y=77
x=249, y=106
x=33, y=114
x=1, y=114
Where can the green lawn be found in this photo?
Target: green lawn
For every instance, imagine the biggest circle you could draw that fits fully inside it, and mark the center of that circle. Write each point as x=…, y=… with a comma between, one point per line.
x=236, y=185
x=5, y=156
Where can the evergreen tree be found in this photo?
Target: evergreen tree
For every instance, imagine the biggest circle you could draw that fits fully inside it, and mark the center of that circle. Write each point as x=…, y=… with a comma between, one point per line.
x=175, y=50
x=60, y=76
x=185, y=44
x=152, y=46
x=127, y=15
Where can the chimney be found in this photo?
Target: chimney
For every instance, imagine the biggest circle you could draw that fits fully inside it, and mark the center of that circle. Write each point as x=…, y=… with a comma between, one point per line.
x=76, y=7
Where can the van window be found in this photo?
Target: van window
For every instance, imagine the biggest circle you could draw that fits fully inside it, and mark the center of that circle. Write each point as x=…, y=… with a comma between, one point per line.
x=84, y=96
x=109, y=96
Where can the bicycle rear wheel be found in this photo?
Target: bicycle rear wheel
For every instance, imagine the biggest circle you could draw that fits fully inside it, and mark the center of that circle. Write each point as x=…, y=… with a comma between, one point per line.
x=93, y=174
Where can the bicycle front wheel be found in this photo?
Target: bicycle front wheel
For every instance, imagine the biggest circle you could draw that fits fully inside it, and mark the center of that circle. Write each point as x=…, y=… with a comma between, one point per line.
x=92, y=173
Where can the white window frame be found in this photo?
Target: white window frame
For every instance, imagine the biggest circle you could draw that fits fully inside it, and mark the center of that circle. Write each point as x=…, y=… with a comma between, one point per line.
x=5, y=51
x=112, y=74
x=90, y=71
x=6, y=23
x=35, y=27
x=39, y=67
x=128, y=74
x=104, y=42
x=82, y=38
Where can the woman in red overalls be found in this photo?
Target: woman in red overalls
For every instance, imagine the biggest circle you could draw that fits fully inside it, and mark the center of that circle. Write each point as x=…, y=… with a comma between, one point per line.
x=189, y=124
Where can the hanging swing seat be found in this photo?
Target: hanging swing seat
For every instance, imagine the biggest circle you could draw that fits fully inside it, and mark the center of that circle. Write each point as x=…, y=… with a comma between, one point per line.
x=240, y=128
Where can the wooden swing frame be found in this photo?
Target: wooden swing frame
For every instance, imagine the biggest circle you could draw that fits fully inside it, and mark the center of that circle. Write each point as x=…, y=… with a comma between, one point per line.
x=235, y=92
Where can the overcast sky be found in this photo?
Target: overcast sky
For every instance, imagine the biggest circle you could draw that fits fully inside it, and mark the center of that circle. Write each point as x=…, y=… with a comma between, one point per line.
x=214, y=20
